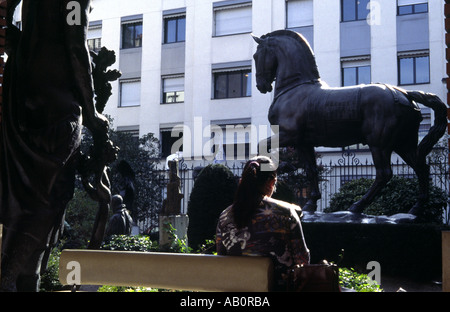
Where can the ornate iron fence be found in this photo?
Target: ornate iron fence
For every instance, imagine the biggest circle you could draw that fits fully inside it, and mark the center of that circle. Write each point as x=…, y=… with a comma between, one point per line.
x=334, y=174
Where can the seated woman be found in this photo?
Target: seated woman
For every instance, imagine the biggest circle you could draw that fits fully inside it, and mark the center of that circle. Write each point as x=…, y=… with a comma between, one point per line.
x=258, y=225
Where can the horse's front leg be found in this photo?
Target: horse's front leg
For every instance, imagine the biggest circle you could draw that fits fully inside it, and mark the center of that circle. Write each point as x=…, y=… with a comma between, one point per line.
x=307, y=157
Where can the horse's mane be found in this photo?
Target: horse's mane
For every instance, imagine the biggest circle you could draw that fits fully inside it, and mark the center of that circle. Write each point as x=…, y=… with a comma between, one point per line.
x=299, y=38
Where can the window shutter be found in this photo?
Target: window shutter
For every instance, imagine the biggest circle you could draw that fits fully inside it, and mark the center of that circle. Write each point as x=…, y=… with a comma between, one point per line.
x=299, y=13
x=233, y=20
x=130, y=93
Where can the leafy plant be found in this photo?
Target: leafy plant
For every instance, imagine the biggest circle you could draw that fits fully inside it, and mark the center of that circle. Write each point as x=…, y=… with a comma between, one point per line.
x=130, y=243
x=349, y=278
x=80, y=217
x=178, y=245
x=50, y=277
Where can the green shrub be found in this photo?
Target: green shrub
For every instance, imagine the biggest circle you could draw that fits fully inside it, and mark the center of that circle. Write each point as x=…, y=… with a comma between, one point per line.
x=360, y=282
x=399, y=196
x=50, y=277
x=213, y=191
x=130, y=243
x=80, y=217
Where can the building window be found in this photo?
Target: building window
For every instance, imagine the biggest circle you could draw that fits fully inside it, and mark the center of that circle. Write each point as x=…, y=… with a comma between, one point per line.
x=406, y=7
x=130, y=132
x=232, y=83
x=354, y=10
x=174, y=29
x=170, y=141
x=413, y=69
x=131, y=35
x=232, y=19
x=130, y=93
x=94, y=36
x=356, y=70
x=352, y=76
x=299, y=13
x=95, y=44
x=231, y=140
x=173, y=89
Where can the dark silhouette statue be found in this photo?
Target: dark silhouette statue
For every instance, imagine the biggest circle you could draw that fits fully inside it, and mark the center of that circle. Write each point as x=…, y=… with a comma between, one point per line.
x=48, y=98
x=309, y=113
x=120, y=222
x=172, y=204
x=126, y=186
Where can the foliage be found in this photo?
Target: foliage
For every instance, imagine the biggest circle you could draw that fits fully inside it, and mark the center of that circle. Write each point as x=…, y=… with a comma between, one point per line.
x=179, y=245
x=213, y=191
x=349, y=278
x=50, y=277
x=107, y=288
x=398, y=196
x=142, y=155
x=80, y=217
x=130, y=243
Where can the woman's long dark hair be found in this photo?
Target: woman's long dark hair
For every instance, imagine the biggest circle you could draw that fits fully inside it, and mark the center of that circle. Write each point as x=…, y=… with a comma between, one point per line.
x=250, y=191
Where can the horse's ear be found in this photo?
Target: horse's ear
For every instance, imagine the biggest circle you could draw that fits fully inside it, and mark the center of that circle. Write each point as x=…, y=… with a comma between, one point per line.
x=257, y=39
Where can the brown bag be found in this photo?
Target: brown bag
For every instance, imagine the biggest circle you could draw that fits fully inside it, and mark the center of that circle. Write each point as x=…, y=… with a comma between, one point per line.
x=314, y=278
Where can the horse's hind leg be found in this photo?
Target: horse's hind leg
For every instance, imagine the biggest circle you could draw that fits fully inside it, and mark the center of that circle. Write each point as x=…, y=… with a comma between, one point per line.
x=422, y=170
x=381, y=159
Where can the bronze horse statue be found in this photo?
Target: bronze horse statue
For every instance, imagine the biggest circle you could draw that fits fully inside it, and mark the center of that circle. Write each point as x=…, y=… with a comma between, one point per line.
x=309, y=113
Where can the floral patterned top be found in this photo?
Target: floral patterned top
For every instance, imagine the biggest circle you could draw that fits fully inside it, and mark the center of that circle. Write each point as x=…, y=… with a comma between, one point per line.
x=275, y=231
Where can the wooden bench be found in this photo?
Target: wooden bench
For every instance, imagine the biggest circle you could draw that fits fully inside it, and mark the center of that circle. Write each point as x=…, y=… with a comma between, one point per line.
x=191, y=272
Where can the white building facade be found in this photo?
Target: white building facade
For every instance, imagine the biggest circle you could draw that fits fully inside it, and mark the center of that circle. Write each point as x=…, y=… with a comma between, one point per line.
x=187, y=67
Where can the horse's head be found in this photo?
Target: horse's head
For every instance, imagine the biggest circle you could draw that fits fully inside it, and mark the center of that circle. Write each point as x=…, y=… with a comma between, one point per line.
x=266, y=65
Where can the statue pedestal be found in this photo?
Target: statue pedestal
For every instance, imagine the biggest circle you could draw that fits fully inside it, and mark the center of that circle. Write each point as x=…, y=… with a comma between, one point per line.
x=446, y=261
x=179, y=223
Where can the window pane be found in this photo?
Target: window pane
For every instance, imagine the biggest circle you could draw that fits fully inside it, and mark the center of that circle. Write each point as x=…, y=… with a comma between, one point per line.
x=406, y=71
x=167, y=141
x=422, y=69
x=127, y=36
x=170, y=30
x=349, y=76
x=181, y=29
x=173, y=97
x=180, y=96
x=363, y=10
x=131, y=35
x=169, y=97
x=364, y=75
x=348, y=10
x=220, y=86
x=421, y=8
x=235, y=85
x=406, y=9
x=138, y=35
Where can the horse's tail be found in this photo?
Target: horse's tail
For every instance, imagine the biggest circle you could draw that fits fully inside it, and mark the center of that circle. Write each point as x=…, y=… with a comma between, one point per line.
x=440, y=120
